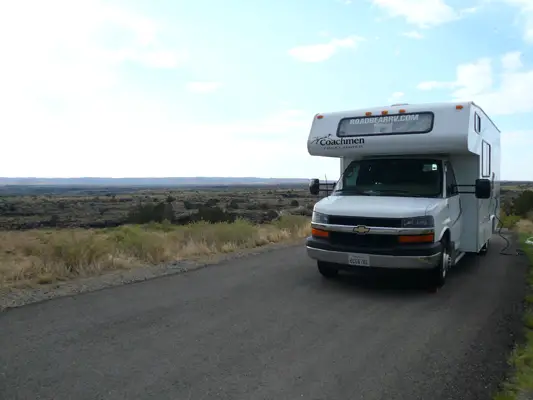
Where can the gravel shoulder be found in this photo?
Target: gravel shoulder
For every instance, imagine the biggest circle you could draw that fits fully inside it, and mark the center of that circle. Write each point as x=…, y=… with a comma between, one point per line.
x=268, y=327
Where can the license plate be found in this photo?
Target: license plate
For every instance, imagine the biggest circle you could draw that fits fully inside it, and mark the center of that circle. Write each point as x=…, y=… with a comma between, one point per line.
x=359, y=260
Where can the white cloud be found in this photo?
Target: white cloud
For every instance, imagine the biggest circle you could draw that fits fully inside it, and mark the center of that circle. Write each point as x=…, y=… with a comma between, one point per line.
x=515, y=154
x=518, y=138
x=475, y=81
x=413, y=35
x=423, y=13
x=525, y=15
x=203, y=86
x=70, y=109
x=469, y=10
x=115, y=134
x=321, y=52
x=512, y=61
x=67, y=48
x=471, y=79
x=161, y=58
x=396, y=96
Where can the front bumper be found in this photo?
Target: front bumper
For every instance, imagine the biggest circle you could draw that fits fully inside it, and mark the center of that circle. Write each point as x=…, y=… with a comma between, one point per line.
x=412, y=257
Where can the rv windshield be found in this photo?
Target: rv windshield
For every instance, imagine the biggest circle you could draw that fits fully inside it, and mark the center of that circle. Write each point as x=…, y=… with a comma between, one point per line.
x=392, y=177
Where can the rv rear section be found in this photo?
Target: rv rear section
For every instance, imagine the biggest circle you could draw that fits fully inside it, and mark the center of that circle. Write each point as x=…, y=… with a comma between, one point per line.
x=418, y=187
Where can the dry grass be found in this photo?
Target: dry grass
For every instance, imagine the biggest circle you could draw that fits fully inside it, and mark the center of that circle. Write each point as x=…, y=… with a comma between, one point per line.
x=37, y=256
x=525, y=226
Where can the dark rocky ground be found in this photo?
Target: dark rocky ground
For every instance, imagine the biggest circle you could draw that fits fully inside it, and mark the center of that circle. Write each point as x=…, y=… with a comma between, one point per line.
x=28, y=207
x=108, y=207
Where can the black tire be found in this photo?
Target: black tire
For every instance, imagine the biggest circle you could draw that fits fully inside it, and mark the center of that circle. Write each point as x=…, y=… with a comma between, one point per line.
x=327, y=270
x=437, y=276
x=484, y=250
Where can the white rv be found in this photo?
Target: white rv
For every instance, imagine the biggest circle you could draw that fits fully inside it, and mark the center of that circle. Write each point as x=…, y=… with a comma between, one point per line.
x=419, y=187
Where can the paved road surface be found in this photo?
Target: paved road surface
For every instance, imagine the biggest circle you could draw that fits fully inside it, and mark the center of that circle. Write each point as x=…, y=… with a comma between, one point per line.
x=268, y=327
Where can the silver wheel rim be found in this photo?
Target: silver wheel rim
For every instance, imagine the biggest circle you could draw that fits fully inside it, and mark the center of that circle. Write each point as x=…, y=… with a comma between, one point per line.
x=446, y=260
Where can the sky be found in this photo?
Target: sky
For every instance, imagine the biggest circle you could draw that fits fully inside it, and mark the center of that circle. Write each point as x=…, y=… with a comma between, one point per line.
x=229, y=88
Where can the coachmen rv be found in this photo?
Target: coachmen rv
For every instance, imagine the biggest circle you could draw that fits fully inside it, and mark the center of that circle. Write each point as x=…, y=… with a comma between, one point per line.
x=419, y=187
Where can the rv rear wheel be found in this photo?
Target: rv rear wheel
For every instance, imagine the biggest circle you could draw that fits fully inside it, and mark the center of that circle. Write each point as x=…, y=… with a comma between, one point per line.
x=327, y=270
x=439, y=273
x=484, y=250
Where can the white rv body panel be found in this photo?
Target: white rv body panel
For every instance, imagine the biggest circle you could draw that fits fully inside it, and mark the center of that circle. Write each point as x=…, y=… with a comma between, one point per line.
x=378, y=207
x=449, y=133
x=459, y=135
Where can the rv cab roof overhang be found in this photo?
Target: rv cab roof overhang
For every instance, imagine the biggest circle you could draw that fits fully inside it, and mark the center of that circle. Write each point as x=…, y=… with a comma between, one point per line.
x=400, y=129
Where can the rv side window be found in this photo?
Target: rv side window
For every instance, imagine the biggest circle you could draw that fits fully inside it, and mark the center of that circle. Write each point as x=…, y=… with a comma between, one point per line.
x=485, y=160
x=477, y=123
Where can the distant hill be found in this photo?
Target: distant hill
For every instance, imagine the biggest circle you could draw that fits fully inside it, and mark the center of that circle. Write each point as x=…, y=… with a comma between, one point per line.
x=170, y=181
x=151, y=182
x=518, y=185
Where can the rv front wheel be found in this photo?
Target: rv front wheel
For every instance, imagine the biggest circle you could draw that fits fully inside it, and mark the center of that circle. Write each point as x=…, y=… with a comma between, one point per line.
x=439, y=273
x=327, y=270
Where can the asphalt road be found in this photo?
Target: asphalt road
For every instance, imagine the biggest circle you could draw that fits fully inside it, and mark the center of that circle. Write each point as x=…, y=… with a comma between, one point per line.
x=269, y=327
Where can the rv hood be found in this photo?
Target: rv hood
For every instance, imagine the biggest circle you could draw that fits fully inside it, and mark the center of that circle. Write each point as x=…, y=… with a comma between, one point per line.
x=378, y=206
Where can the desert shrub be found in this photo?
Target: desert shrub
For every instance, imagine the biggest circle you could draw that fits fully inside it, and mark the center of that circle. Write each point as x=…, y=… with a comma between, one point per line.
x=142, y=244
x=214, y=215
x=71, y=251
x=238, y=232
x=233, y=204
x=264, y=206
x=523, y=204
x=150, y=212
x=211, y=202
x=509, y=221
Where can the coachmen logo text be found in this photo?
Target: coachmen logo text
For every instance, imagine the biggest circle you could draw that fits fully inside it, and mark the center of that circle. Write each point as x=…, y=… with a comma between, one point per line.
x=332, y=141
x=361, y=230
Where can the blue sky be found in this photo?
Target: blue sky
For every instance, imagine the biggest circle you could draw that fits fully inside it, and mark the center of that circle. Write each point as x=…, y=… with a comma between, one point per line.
x=211, y=88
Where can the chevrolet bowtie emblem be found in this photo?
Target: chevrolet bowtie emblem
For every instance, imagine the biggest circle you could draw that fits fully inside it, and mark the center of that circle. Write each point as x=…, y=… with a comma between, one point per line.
x=361, y=229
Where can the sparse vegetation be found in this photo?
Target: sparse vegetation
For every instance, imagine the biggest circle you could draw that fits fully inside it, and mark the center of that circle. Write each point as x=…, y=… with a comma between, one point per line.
x=48, y=237
x=517, y=215
x=519, y=386
x=46, y=256
x=104, y=207
x=517, y=208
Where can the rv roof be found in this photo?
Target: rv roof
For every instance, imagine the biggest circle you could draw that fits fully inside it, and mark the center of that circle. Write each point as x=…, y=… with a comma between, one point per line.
x=396, y=129
x=418, y=107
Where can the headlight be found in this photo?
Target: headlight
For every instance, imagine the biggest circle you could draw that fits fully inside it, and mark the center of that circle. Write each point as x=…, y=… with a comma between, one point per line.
x=319, y=218
x=426, y=221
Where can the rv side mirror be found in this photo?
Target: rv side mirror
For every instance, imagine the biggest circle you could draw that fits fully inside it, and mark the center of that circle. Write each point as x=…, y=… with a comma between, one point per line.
x=314, y=186
x=483, y=188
